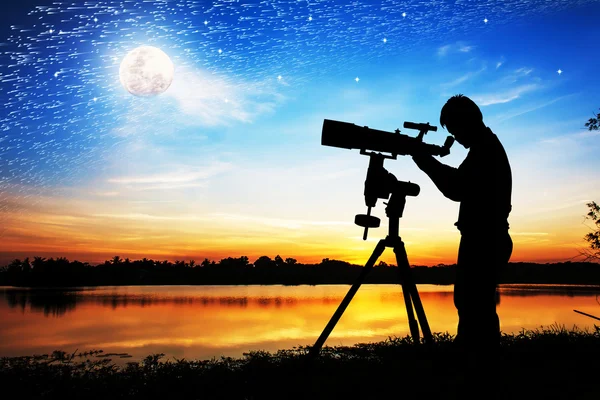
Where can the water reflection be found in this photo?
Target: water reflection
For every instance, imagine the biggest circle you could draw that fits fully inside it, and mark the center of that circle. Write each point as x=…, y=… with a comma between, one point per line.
x=210, y=321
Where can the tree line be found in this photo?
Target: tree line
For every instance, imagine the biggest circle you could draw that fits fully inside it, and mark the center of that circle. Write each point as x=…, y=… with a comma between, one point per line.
x=60, y=272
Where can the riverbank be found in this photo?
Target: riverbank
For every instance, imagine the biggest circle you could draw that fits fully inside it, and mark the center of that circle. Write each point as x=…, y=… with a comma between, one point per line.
x=545, y=363
x=264, y=271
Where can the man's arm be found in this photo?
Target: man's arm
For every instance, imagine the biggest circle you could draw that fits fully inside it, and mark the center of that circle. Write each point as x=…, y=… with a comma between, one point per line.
x=446, y=178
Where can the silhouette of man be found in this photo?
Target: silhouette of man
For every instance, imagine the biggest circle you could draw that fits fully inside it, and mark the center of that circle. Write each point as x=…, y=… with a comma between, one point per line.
x=482, y=184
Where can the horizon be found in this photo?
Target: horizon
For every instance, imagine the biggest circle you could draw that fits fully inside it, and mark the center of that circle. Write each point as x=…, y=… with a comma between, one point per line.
x=228, y=161
x=251, y=261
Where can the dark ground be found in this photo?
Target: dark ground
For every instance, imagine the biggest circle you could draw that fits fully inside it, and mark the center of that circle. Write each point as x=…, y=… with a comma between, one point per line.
x=547, y=363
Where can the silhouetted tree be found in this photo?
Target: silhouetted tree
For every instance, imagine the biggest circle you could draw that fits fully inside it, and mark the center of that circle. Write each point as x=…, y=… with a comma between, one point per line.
x=593, y=123
x=234, y=262
x=291, y=261
x=264, y=262
x=205, y=263
x=278, y=260
x=593, y=238
x=116, y=260
x=38, y=262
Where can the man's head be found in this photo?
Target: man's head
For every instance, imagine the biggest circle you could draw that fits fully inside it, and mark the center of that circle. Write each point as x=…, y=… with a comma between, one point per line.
x=462, y=118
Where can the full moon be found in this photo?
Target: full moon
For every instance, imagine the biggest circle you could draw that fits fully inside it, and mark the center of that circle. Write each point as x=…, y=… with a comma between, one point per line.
x=146, y=71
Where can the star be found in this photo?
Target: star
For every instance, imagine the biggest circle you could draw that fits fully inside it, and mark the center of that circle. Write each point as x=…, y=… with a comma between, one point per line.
x=404, y=14
x=384, y=40
x=485, y=20
x=279, y=77
x=95, y=99
x=226, y=100
x=220, y=51
x=56, y=74
x=205, y=22
x=559, y=71
x=95, y=19
x=356, y=79
x=310, y=18
x=51, y=31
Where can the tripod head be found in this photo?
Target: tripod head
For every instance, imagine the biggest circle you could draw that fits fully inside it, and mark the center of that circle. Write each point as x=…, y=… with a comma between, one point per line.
x=379, y=184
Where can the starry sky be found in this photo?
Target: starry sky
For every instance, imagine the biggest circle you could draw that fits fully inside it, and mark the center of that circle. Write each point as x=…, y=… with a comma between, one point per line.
x=228, y=161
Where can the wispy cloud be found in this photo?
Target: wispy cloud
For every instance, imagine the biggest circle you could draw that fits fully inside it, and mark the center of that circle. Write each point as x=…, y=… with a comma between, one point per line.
x=506, y=96
x=512, y=233
x=221, y=217
x=211, y=100
x=571, y=136
x=516, y=75
x=462, y=78
x=460, y=47
x=529, y=108
x=443, y=50
x=179, y=177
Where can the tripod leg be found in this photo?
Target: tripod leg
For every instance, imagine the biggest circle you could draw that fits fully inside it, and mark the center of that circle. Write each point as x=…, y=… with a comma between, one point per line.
x=342, y=307
x=412, y=322
x=410, y=289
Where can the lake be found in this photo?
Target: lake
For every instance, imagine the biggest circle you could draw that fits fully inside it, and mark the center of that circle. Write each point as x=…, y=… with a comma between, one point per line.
x=201, y=322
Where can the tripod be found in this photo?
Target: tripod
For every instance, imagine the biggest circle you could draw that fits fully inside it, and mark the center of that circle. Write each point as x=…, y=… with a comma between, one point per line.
x=395, y=208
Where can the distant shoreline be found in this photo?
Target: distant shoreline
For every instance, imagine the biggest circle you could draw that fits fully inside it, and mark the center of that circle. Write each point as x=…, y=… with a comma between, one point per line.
x=264, y=271
x=520, y=287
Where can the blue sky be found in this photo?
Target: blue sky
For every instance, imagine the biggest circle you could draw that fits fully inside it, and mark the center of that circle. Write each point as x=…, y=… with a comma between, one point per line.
x=234, y=143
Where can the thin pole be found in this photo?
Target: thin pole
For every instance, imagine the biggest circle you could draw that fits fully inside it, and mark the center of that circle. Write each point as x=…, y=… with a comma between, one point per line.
x=587, y=315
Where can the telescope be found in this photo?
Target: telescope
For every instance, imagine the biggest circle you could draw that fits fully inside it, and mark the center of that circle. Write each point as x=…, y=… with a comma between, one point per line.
x=351, y=136
x=380, y=184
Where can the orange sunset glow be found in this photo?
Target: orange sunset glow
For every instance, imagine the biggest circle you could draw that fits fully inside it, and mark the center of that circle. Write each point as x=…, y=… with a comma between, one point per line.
x=83, y=229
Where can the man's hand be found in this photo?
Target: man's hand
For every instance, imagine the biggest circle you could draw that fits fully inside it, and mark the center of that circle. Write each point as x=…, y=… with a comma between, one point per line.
x=421, y=156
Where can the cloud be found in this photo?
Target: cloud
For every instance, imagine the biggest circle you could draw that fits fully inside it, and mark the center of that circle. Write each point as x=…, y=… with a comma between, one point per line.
x=512, y=233
x=516, y=75
x=211, y=100
x=459, y=47
x=462, y=78
x=562, y=139
x=294, y=224
x=180, y=177
x=442, y=51
x=528, y=109
x=506, y=96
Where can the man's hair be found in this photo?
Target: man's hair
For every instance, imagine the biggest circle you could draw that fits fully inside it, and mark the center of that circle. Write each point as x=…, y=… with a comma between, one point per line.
x=460, y=108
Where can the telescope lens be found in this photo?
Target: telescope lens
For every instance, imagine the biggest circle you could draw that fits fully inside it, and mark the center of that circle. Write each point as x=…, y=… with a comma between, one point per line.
x=338, y=134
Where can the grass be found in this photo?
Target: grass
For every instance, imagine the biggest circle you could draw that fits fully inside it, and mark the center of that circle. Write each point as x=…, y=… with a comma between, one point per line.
x=551, y=362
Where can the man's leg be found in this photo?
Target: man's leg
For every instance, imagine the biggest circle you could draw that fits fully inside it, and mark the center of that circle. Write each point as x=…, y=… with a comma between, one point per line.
x=478, y=334
x=479, y=265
